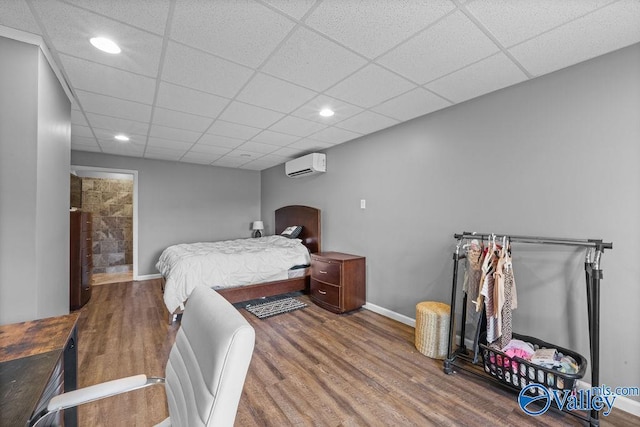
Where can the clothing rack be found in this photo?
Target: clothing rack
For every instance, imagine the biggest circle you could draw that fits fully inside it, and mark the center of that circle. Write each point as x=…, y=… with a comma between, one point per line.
x=460, y=357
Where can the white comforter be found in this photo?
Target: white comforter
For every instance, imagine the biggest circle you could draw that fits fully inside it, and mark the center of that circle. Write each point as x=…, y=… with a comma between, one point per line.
x=226, y=264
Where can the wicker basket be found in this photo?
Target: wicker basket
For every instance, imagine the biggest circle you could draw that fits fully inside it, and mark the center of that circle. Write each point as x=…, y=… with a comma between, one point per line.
x=517, y=373
x=432, y=328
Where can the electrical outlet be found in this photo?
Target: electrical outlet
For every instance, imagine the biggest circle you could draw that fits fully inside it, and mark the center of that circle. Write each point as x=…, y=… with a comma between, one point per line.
x=363, y=204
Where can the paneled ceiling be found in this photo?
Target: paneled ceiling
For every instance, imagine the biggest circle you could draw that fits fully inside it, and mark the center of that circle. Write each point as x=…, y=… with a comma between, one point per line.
x=240, y=83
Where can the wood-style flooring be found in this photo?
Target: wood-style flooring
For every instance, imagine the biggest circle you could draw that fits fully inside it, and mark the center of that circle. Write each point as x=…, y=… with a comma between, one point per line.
x=107, y=278
x=310, y=367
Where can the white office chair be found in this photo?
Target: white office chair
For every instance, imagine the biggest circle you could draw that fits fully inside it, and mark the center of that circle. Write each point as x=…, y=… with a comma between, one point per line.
x=205, y=373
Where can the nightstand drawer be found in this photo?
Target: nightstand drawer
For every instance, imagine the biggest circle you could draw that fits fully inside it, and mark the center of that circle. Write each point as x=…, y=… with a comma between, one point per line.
x=328, y=272
x=325, y=293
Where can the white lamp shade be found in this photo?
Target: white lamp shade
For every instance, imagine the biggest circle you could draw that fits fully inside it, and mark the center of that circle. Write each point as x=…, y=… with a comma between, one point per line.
x=257, y=225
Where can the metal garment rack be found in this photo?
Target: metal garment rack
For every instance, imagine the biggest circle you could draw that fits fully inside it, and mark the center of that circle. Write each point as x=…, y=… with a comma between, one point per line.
x=593, y=272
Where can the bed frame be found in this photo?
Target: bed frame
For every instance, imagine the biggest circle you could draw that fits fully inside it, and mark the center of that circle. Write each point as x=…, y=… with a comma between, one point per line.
x=309, y=219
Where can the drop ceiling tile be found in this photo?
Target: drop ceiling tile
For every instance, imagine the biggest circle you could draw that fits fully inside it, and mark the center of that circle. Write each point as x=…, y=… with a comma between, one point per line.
x=312, y=61
x=244, y=155
x=295, y=9
x=198, y=70
x=220, y=141
x=173, y=133
x=150, y=15
x=77, y=118
x=105, y=80
x=490, y=74
x=512, y=22
x=162, y=153
x=258, y=147
x=168, y=143
x=69, y=28
x=412, y=104
x=209, y=150
x=275, y=94
x=367, y=122
x=245, y=32
x=253, y=166
x=114, y=107
x=178, y=120
x=16, y=14
x=189, y=100
x=275, y=138
x=264, y=162
x=607, y=29
x=117, y=125
x=249, y=115
x=108, y=135
x=288, y=152
x=311, y=110
x=84, y=141
x=90, y=148
x=370, y=86
x=199, y=158
x=374, y=28
x=310, y=145
x=126, y=149
x=84, y=131
x=296, y=126
x=334, y=135
x=233, y=130
x=450, y=44
x=230, y=162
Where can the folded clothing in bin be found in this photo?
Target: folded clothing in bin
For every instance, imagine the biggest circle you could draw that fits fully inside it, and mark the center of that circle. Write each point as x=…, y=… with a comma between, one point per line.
x=558, y=367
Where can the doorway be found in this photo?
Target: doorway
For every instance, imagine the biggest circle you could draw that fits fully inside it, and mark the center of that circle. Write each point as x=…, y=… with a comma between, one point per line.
x=112, y=197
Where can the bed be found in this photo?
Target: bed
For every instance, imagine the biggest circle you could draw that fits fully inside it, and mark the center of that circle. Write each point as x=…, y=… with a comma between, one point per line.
x=298, y=279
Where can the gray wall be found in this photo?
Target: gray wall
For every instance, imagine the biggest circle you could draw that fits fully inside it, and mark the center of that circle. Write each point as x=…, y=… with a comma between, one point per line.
x=34, y=186
x=182, y=203
x=555, y=156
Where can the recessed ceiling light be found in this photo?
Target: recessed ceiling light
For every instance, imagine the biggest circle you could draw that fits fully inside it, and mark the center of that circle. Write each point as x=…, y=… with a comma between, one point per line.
x=121, y=137
x=105, y=45
x=326, y=112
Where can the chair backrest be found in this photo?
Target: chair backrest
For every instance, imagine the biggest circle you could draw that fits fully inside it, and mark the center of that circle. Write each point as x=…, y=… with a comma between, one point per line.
x=208, y=362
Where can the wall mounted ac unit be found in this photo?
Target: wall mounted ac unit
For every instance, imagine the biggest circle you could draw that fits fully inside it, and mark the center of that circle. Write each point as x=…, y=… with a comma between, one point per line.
x=310, y=164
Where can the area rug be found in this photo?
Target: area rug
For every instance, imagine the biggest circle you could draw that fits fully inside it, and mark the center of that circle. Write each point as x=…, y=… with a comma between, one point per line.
x=273, y=308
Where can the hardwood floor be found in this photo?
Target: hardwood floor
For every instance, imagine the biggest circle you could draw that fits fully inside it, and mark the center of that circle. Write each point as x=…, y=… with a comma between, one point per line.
x=107, y=278
x=310, y=367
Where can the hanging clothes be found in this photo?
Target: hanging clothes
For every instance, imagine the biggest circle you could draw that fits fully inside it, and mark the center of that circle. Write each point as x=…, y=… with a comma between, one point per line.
x=473, y=272
x=497, y=293
x=487, y=292
x=504, y=290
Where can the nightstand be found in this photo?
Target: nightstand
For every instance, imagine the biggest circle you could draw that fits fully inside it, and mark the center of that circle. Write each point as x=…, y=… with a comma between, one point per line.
x=338, y=281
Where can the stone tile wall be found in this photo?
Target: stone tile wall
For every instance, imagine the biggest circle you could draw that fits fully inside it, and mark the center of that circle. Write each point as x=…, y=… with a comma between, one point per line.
x=111, y=202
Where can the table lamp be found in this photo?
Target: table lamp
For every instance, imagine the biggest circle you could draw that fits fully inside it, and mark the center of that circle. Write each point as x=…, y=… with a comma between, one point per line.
x=257, y=227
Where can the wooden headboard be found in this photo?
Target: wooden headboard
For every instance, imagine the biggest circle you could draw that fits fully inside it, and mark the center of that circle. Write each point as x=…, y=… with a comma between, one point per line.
x=308, y=218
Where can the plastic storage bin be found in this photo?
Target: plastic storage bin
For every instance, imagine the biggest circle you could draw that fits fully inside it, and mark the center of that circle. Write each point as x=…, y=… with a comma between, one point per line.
x=517, y=373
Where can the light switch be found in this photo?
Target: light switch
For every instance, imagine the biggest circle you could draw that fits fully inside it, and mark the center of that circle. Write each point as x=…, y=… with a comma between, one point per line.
x=363, y=204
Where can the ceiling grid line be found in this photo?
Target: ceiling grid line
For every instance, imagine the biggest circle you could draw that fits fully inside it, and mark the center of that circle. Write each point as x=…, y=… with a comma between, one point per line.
x=165, y=42
x=207, y=82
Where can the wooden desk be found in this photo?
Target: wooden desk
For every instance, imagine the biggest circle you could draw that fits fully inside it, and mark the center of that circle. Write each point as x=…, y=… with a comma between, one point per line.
x=38, y=360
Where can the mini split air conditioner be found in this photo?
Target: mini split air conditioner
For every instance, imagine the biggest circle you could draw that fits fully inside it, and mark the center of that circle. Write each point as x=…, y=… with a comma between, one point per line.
x=310, y=164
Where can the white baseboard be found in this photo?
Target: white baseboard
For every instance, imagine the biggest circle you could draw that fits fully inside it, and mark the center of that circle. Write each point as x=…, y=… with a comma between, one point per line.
x=391, y=314
x=148, y=276
x=622, y=403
